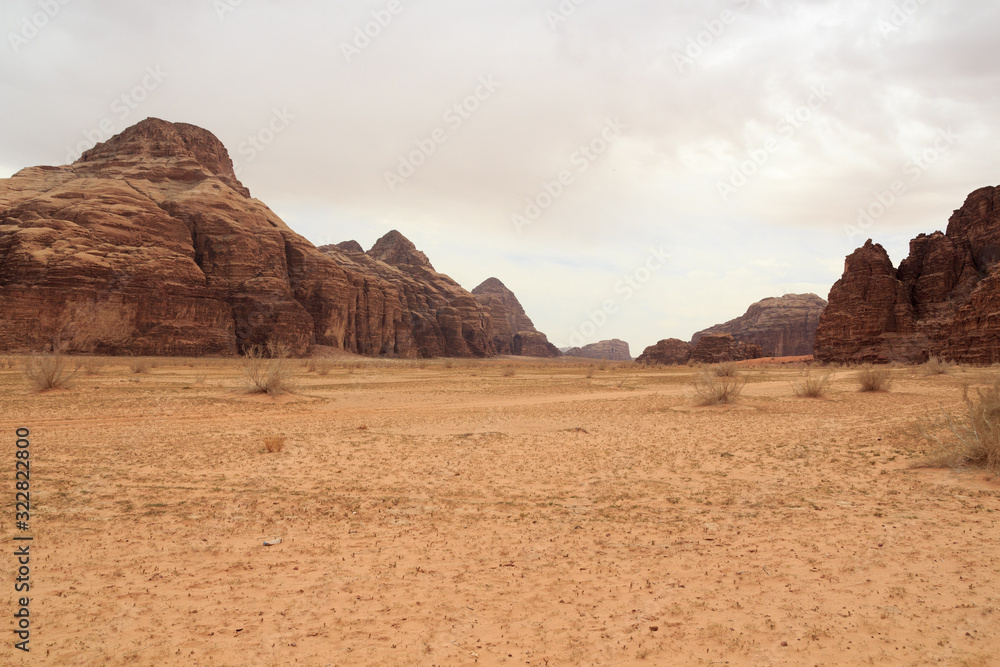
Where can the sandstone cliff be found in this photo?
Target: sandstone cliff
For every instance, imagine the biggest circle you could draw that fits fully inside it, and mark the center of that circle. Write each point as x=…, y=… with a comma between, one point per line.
x=669, y=352
x=782, y=327
x=609, y=350
x=513, y=331
x=943, y=300
x=718, y=348
x=149, y=244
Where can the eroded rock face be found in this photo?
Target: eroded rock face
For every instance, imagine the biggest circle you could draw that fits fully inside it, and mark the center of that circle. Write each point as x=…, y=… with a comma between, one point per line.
x=439, y=317
x=782, y=327
x=513, y=331
x=149, y=244
x=719, y=348
x=609, y=350
x=943, y=300
x=669, y=352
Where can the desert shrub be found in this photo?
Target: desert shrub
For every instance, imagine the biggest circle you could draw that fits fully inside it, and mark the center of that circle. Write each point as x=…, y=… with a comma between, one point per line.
x=590, y=371
x=91, y=365
x=267, y=371
x=311, y=365
x=937, y=366
x=726, y=369
x=274, y=444
x=873, y=378
x=324, y=366
x=812, y=386
x=48, y=371
x=508, y=371
x=449, y=363
x=973, y=441
x=140, y=365
x=713, y=389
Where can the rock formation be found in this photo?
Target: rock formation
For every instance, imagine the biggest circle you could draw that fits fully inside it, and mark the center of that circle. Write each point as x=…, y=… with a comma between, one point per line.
x=149, y=244
x=441, y=318
x=513, y=331
x=609, y=350
x=782, y=327
x=943, y=300
x=718, y=348
x=670, y=352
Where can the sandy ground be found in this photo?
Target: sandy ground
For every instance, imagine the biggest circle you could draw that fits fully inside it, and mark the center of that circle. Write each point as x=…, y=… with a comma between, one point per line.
x=456, y=515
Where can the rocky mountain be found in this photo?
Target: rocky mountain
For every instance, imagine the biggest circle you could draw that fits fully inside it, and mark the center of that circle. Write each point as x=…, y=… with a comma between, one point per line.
x=718, y=348
x=149, y=244
x=669, y=352
x=943, y=300
x=513, y=331
x=609, y=350
x=782, y=327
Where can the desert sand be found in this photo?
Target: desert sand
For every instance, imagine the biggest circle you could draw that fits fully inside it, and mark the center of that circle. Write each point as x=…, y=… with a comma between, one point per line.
x=453, y=513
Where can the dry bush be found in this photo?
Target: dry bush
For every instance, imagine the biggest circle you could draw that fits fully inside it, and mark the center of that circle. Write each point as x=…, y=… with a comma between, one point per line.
x=274, y=444
x=140, y=365
x=508, y=371
x=812, y=386
x=727, y=369
x=937, y=366
x=590, y=371
x=449, y=363
x=91, y=365
x=8, y=362
x=324, y=366
x=872, y=378
x=715, y=389
x=48, y=371
x=267, y=371
x=311, y=365
x=975, y=440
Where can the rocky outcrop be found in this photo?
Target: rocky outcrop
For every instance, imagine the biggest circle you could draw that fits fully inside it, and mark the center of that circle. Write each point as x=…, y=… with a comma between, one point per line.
x=943, y=300
x=719, y=348
x=670, y=352
x=513, y=331
x=609, y=350
x=441, y=318
x=149, y=244
x=782, y=327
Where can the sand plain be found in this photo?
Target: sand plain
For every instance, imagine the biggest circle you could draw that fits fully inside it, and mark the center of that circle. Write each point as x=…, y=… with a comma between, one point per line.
x=506, y=512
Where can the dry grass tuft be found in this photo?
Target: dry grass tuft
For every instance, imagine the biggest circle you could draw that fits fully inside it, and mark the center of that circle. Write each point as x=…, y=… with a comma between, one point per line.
x=267, y=371
x=274, y=444
x=508, y=371
x=937, y=366
x=812, y=386
x=973, y=442
x=715, y=389
x=91, y=365
x=727, y=369
x=140, y=365
x=48, y=371
x=874, y=379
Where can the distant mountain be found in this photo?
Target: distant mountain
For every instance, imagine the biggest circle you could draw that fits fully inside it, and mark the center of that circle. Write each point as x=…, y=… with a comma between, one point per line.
x=782, y=327
x=610, y=350
x=513, y=331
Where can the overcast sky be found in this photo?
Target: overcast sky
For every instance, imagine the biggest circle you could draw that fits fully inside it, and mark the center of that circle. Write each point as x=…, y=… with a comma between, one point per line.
x=738, y=137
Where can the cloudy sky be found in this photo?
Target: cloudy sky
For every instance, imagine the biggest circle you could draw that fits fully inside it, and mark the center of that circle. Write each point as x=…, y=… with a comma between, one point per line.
x=635, y=169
